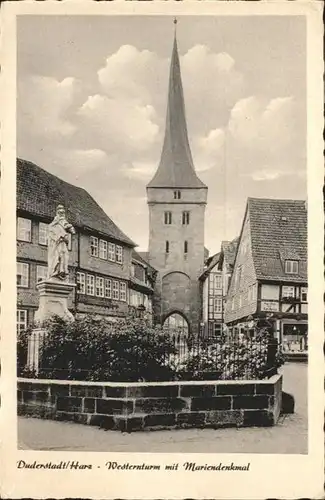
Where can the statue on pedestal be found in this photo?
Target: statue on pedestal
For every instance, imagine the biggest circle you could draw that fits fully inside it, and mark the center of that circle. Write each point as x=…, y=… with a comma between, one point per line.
x=58, y=240
x=54, y=292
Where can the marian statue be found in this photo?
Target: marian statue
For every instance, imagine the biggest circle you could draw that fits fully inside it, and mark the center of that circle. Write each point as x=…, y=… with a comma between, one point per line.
x=58, y=240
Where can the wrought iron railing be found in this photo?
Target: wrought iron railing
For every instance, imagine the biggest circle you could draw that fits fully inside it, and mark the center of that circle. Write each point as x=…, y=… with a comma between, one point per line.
x=181, y=358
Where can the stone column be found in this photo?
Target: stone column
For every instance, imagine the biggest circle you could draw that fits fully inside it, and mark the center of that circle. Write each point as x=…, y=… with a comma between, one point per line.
x=53, y=301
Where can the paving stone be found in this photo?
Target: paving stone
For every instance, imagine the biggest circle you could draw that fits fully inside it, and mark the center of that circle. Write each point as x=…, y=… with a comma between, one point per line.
x=197, y=390
x=221, y=418
x=258, y=418
x=114, y=392
x=193, y=419
x=103, y=421
x=265, y=389
x=156, y=405
x=114, y=406
x=153, y=391
x=214, y=403
x=250, y=402
x=230, y=389
x=89, y=405
x=71, y=404
x=161, y=421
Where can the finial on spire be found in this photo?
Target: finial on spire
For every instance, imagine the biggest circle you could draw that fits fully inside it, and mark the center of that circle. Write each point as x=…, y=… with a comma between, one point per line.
x=175, y=20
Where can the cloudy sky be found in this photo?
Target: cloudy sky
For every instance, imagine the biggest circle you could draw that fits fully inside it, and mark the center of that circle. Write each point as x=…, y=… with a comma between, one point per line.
x=92, y=98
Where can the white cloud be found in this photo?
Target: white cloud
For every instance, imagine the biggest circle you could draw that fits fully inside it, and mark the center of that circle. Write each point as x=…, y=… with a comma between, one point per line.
x=266, y=175
x=212, y=85
x=43, y=104
x=120, y=122
x=258, y=124
x=208, y=149
x=129, y=74
x=140, y=170
x=85, y=158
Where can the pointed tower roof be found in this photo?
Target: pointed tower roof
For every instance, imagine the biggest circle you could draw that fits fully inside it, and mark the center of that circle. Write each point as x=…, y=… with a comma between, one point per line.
x=176, y=168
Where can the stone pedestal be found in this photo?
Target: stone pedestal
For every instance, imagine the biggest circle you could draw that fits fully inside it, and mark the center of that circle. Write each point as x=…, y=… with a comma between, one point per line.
x=35, y=343
x=53, y=300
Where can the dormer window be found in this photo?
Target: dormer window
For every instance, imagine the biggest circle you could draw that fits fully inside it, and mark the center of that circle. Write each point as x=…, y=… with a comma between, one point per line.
x=177, y=195
x=291, y=266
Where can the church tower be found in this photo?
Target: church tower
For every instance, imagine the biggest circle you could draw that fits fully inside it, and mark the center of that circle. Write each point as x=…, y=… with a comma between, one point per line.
x=177, y=200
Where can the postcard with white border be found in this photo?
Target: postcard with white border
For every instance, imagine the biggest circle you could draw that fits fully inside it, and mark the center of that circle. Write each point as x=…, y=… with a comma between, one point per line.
x=162, y=234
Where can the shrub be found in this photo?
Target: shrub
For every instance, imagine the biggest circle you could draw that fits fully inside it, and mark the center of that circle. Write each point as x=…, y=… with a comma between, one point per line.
x=228, y=360
x=91, y=349
x=132, y=350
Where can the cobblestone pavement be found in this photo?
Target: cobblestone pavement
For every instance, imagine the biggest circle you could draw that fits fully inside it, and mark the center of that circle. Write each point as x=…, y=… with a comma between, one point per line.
x=289, y=436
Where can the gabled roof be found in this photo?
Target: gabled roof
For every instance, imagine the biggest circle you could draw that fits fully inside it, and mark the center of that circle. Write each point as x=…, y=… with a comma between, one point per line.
x=211, y=263
x=39, y=193
x=142, y=258
x=278, y=232
x=143, y=255
x=228, y=250
x=176, y=168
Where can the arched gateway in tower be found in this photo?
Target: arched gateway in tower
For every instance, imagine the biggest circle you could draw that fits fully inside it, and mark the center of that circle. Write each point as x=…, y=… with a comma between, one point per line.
x=177, y=200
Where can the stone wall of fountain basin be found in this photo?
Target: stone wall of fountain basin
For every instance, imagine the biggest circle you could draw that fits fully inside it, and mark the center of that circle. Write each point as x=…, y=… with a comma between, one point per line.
x=129, y=407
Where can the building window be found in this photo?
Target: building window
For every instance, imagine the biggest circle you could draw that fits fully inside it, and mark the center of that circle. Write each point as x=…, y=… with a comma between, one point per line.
x=22, y=274
x=240, y=301
x=99, y=287
x=21, y=320
x=218, y=281
x=217, y=306
x=132, y=270
x=24, y=229
x=111, y=252
x=90, y=284
x=217, y=329
x=185, y=247
x=291, y=266
x=93, y=246
x=168, y=217
x=108, y=288
x=167, y=247
x=123, y=292
x=233, y=304
x=81, y=282
x=288, y=291
x=116, y=290
x=304, y=294
x=177, y=195
x=103, y=249
x=119, y=254
x=185, y=218
x=42, y=233
x=41, y=273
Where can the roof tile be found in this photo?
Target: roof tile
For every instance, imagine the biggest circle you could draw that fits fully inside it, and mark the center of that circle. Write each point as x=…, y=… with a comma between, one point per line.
x=39, y=193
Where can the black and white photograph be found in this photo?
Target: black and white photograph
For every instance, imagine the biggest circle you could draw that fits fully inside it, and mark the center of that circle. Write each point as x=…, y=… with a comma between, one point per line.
x=162, y=237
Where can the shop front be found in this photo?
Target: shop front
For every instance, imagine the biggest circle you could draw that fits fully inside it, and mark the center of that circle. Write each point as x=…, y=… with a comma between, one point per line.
x=294, y=335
